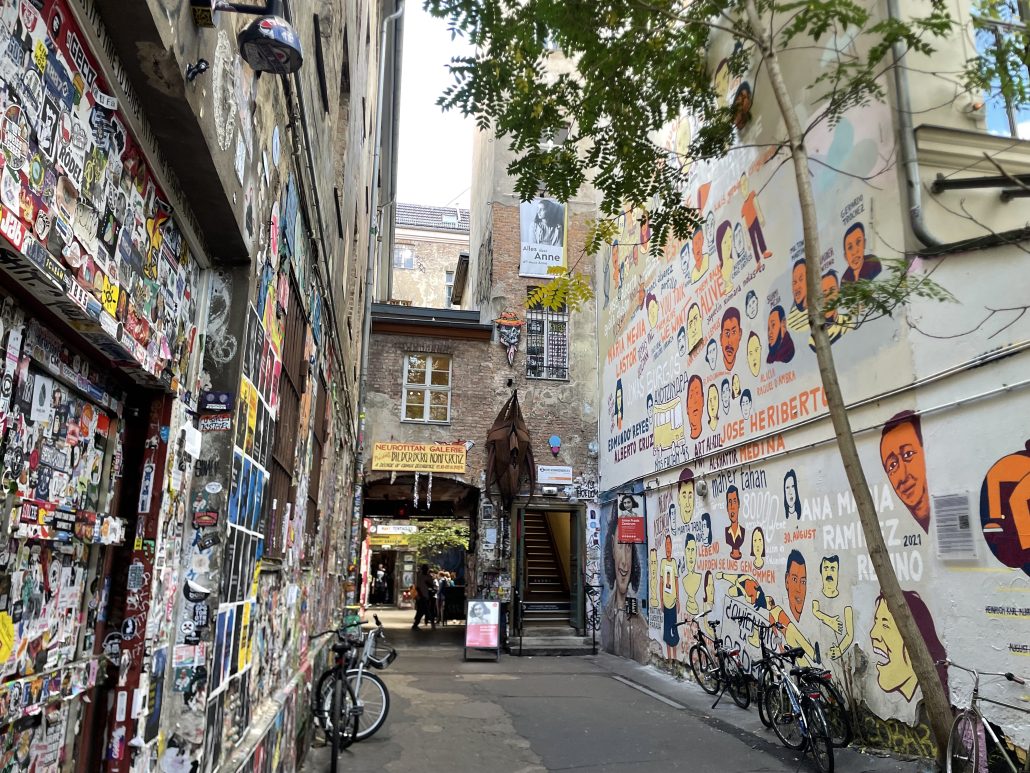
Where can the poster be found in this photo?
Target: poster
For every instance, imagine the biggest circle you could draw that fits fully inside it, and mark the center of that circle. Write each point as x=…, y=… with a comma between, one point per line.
x=542, y=225
x=482, y=624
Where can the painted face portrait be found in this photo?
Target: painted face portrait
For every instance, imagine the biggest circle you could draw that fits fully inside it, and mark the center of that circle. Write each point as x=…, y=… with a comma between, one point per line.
x=712, y=353
x=697, y=248
x=854, y=249
x=751, y=305
x=695, y=406
x=694, y=331
x=681, y=342
x=754, y=353
x=706, y=525
x=829, y=573
x=733, y=507
x=893, y=667
x=758, y=547
x=738, y=241
x=690, y=553
x=713, y=405
x=726, y=260
x=735, y=386
x=797, y=285
x=790, y=494
x=722, y=81
x=724, y=391
x=746, y=404
x=652, y=311
x=775, y=330
x=730, y=339
x=686, y=500
x=797, y=584
x=710, y=228
x=623, y=555
x=650, y=407
x=901, y=452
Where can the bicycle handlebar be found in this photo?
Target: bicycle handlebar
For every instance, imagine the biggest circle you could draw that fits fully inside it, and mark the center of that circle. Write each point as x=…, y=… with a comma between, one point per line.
x=977, y=674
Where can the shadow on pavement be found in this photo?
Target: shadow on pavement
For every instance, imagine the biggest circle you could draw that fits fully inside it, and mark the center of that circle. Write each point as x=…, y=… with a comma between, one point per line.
x=401, y=635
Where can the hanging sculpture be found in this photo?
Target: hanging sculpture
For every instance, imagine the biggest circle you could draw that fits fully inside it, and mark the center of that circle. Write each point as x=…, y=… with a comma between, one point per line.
x=509, y=453
x=509, y=331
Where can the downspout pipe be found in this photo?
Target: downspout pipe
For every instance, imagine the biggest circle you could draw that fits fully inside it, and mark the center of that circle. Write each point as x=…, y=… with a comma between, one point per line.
x=931, y=245
x=370, y=264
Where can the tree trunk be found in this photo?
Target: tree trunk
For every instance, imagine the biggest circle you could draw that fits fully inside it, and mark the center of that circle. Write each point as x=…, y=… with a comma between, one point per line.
x=937, y=706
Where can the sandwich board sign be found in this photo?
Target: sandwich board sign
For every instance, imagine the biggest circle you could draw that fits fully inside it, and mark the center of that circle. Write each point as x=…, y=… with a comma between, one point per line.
x=483, y=627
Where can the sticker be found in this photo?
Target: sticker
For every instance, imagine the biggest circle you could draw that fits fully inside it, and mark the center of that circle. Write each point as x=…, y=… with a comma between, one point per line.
x=213, y=487
x=104, y=100
x=276, y=146
x=217, y=401
x=195, y=592
x=205, y=518
x=219, y=422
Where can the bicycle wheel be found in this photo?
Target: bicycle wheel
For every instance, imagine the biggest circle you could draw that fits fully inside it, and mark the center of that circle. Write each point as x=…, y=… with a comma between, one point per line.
x=766, y=682
x=736, y=681
x=337, y=715
x=374, y=699
x=819, y=742
x=786, y=723
x=966, y=743
x=704, y=670
x=836, y=710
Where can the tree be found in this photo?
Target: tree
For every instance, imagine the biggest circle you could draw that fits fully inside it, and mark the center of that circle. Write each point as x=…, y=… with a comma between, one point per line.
x=437, y=536
x=640, y=64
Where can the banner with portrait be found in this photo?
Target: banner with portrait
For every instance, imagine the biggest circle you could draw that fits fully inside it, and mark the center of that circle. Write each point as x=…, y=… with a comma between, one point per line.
x=542, y=227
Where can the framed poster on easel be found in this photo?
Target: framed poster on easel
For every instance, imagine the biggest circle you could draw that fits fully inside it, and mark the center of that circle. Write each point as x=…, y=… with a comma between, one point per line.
x=483, y=628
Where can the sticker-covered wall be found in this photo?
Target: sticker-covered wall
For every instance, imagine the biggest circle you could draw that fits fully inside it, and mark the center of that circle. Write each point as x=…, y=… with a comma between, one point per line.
x=715, y=432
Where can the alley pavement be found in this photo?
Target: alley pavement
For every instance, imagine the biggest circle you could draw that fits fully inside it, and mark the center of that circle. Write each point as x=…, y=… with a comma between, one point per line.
x=534, y=714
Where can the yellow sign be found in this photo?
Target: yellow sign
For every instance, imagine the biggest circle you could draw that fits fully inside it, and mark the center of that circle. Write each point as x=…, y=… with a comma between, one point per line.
x=395, y=540
x=419, y=457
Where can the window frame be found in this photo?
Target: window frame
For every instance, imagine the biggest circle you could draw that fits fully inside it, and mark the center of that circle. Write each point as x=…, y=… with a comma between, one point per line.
x=547, y=317
x=410, y=259
x=448, y=279
x=426, y=387
x=997, y=28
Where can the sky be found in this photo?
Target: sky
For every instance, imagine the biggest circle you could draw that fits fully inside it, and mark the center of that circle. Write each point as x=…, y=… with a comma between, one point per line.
x=435, y=159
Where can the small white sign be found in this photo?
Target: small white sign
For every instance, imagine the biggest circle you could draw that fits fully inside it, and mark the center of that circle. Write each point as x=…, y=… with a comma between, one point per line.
x=553, y=475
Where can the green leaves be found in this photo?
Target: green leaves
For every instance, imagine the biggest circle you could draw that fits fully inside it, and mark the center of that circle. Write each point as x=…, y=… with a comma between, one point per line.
x=438, y=536
x=566, y=290
x=866, y=299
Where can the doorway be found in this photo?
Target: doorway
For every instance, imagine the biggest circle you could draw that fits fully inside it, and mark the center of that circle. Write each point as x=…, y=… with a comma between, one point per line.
x=550, y=567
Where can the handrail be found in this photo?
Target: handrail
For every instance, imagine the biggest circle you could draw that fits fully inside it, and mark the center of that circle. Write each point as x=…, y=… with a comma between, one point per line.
x=593, y=620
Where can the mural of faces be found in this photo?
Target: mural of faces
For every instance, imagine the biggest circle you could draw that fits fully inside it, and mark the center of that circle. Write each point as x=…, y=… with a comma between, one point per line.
x=694, y=329
x=829, y=573
x=791, y=499
x=685, y=495
x=754, y=353
x=758, y=547
x=726, y=394
x=797, y=284
x=829, y=286
x=735, y=384
x=893, y=665
x=901, y=452
x=751, y=304
x=681, y=342
x=745, y=403
x=652, y=310
x=712, y=353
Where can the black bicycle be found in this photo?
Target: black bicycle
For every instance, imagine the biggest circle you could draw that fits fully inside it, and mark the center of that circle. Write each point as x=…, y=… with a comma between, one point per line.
x=340, y=718
x=716, y=668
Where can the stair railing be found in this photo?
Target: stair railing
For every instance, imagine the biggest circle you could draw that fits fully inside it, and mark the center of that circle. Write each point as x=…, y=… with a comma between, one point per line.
x=593, y=595
x=521, y=615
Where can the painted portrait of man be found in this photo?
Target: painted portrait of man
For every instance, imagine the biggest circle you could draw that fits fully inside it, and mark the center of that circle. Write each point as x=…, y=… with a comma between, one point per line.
x=860, y=265
x=904, y=461
x=781, y=345
x=695, y=405
x=797, y=319
x=796, y=579
x=730, y=337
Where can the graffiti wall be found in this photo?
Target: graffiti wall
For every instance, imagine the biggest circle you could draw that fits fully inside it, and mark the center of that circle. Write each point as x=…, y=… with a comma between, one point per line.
x=625, y=577
x=713, y=405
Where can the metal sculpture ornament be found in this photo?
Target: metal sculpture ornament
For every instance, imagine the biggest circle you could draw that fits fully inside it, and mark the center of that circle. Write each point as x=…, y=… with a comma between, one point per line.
x=509, y=331
x=271, y=44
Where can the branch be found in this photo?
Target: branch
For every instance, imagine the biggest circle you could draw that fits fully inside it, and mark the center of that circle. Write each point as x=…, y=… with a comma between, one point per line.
x=1014, y=180
x=990, y=314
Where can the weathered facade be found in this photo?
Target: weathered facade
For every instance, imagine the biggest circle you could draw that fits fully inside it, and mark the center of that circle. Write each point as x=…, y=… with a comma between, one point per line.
x=427, y=242
x=180, y=411
x=713, y=421
x=494, y=345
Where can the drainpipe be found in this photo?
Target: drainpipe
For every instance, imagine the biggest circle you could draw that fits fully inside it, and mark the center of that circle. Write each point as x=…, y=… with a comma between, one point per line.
x=932, y=246
x=370, y=265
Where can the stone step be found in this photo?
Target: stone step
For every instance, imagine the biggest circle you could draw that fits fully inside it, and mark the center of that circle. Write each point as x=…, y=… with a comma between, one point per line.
x=551, y=646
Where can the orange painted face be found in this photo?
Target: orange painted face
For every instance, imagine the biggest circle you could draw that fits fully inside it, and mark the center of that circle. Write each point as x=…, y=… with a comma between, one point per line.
x=829, y=288
x=797, y=589
x=854, y=249
x=901, y=452
x=797, y=285
x=730, y=342
x=695, y=406
x=775, y=329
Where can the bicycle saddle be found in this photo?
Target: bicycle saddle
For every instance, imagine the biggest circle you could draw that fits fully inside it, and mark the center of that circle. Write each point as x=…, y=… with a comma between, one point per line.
x=793, y=653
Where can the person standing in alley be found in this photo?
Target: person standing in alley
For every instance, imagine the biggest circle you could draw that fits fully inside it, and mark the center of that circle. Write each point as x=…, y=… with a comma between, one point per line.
x=444, y=582
x=425, y=597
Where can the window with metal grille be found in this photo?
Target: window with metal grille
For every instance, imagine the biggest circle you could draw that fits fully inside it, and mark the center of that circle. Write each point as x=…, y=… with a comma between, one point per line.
x=283, y=491
x=427, y=388
x=321, y=429
x=547, y=342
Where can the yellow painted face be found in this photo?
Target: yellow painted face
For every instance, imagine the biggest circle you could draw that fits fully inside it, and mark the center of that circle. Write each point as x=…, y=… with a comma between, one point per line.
x=754, y=354
x=690, y=551
x=757, y=544
x=735, y=386
x=652, y=313
x=893, y=667
x=727, y=255
x=713, y=402
x=686, y=497
x=694, y=332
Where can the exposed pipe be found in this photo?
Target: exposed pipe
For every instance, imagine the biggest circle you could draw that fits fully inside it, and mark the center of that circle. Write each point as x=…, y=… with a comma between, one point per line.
x=933, y=246
x=370, y=264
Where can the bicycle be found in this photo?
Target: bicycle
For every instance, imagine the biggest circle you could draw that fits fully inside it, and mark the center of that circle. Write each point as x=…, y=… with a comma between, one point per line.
x=795, y=708
x=770, y=667
x=369, y=689
x=721, y=673
x=339, y=715
x=967, y=742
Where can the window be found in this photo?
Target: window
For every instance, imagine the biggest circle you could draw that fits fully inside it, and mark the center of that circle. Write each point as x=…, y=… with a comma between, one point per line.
x=1000, y=38
x=403, y=256
x=547, y=342
x=449, y=280
x=427, y=388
